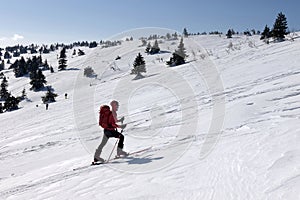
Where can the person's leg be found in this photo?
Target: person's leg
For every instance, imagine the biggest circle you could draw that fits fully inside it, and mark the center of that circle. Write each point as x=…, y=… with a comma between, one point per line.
x=116, y=134
x=121, y=141
x=120, y=144
x=106, y=135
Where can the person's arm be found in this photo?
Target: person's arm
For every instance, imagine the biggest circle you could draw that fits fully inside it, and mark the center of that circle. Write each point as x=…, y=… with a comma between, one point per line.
x=113, y=123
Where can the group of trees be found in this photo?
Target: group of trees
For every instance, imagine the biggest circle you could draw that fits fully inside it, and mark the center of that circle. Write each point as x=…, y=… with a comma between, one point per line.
x=178, y=58
x=279, y=29
x=22, y=67
x=152, y=49
x=80, y=52
x=10, y=102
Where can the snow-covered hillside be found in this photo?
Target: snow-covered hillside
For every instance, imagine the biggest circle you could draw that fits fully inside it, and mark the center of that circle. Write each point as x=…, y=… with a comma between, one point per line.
x=44, y=153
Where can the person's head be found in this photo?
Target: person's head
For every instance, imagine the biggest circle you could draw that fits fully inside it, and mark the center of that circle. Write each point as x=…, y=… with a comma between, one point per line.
x=114, y=105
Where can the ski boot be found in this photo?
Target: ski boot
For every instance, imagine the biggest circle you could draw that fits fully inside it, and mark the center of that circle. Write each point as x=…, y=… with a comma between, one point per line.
x=121, y=153
x=98, y=161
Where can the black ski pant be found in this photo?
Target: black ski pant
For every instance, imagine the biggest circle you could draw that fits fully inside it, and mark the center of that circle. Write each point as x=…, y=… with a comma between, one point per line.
x=106, y=136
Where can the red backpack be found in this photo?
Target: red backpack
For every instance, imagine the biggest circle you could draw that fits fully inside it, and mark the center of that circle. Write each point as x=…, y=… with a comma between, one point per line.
x=104, y=116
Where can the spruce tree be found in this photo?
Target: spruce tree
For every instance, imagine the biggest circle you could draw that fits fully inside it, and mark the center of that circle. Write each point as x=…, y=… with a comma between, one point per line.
x=168, y=36
x=3, y=89
x=155, y=48
x=139, y=66
x=24, y=95
x=11, y=103
x=46, y=65
x=1, y=108
x=179, y=55
x=280, y=27
x=49, y=96
x=185, y=32
x=266, y=33
x=20, y=69
x=7, y=55
x=2, y=65
x=229, y=33
x=62, y=62
x=80, y=52
x=38, y=80
x=175, y=36
x=148, y=48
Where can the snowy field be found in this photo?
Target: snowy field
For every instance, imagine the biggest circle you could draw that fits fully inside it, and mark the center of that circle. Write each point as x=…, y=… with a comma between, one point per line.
x=44, y=154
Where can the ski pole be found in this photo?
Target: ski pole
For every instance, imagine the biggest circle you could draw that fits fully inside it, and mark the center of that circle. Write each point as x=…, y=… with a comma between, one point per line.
x=112, y=150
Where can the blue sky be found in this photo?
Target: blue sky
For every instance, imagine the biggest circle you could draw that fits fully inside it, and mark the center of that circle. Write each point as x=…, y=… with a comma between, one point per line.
x=47, y=21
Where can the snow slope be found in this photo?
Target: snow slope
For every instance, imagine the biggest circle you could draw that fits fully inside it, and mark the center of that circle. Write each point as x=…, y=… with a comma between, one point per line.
x=256, y=156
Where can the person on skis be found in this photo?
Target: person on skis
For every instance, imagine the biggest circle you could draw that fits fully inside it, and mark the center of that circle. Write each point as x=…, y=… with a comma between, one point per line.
x=108, y=120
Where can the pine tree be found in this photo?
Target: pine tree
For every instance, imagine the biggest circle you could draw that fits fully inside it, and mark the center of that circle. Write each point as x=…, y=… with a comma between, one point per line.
x=280, y=27
x=1, y=108
x=32, y=64
x=148, y=48
x=62, y=62
x=155, y=48
x=168, y=36
x=229, y=33
x=185, y=32
x=49, y=96
x=11, y=103
x=139, y=66
x=2, y=65
x=20, y=68
x=3, y=89
x=46, y=65
x=266, y=33
x=24, y=95
x=7, y=55
x=179, y=55
x=80, y=52
x=37, y=80
x=175, y=35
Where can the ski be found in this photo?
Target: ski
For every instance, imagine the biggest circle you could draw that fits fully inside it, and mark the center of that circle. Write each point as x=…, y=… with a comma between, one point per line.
x=131, y=153
x=112, y=159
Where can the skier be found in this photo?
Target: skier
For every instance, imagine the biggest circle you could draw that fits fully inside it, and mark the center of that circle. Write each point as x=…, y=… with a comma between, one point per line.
x=66, y=95
x=47, y=106
x=111, y=131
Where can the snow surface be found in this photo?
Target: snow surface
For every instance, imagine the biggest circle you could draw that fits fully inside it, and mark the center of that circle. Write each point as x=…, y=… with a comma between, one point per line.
x=256, y=155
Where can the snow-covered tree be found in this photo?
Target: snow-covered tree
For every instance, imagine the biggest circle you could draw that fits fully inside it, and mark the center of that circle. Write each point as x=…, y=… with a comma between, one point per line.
x=49, y=96
x=62, y=62
x=80, y=52
x=148, y=48
x=139, y=66
x=38, y=80
x=89, y=72
x=229, y=33
x=3, y=89
x=11, y=103
x=2, y=65
x=185, y=32
x=179, y=55
x=155, y=48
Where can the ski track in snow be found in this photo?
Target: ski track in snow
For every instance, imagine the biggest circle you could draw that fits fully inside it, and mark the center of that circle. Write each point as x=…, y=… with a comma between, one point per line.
x=256, y=157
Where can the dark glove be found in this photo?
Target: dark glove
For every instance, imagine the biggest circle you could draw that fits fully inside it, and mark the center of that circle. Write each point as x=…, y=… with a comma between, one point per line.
x=122, y=126
x=122, y=120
